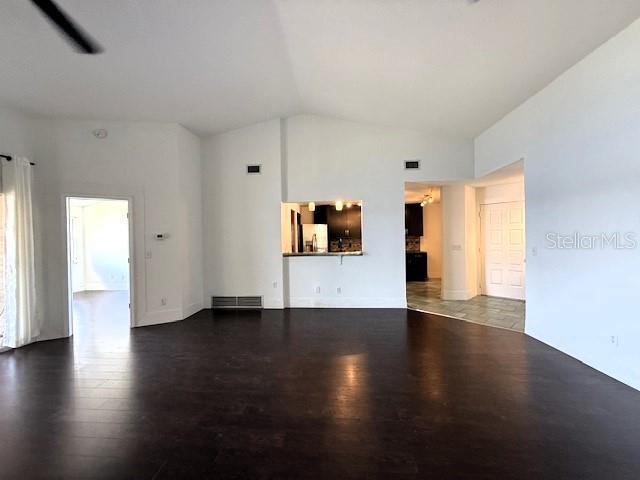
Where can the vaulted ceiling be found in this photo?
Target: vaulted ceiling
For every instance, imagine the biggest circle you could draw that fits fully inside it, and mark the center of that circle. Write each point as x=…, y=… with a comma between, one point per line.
x=451, y=66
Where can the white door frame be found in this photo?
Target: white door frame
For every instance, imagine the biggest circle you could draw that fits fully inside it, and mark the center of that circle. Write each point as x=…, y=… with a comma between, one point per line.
x=66, y=199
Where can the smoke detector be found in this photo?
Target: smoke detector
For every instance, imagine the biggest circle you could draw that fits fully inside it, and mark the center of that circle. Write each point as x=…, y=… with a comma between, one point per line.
x=100, y=133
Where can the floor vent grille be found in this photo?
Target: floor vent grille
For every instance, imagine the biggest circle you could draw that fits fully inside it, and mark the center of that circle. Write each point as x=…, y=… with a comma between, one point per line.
x=246, y=302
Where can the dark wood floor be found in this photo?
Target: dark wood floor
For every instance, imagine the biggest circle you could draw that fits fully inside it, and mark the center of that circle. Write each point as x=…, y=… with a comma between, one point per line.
x=298, y=394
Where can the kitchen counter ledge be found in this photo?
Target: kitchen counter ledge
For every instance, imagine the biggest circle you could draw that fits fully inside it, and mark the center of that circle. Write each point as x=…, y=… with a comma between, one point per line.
x=324, y=254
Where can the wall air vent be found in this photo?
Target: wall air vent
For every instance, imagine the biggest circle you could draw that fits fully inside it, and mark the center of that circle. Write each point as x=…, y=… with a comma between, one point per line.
x=411, y=164
x=254, y=169
x=224, y=302
x=237, y=303
x=249, y=302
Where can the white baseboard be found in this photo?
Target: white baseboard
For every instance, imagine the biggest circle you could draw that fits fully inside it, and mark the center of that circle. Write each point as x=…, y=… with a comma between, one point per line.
x=191, y=309
x=346, y=302
x=597, y=363
x=273, y=304
x=159, y=316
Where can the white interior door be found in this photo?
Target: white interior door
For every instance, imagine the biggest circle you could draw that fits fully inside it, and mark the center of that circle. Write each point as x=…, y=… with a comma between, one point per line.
x=503, y=251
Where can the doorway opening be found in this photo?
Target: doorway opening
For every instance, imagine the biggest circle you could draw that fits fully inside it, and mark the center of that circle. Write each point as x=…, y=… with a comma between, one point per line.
x=465, y=248
x=423, y=244
x=99, y=271
x=3, y=320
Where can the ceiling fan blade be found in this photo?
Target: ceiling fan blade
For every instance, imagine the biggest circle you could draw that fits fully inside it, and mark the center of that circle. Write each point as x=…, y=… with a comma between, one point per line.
x=82, y=41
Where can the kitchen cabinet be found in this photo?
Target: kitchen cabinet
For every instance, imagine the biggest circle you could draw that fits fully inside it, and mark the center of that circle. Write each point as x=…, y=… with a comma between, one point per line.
x=320, y=214
x=346, y=223
x=416, y=266
x=413, y=220
x=354, y=222
x=336, y=223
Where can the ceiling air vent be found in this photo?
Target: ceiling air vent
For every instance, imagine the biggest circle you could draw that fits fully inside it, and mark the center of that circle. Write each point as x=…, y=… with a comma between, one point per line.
x=254, y=169
x=411, y=164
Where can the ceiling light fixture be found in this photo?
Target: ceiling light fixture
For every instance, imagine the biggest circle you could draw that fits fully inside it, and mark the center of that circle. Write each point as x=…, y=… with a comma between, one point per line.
x=426, y=199
x=339, y=205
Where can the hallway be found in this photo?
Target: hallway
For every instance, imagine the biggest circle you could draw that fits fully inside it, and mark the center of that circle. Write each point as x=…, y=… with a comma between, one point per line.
x=491, y=311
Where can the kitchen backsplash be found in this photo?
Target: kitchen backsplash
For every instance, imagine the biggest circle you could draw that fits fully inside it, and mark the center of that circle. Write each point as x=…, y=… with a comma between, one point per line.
x=347, y=246
x=412, y=244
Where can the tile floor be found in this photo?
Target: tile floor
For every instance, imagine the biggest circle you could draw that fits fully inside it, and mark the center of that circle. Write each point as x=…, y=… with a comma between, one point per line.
x=492, y=311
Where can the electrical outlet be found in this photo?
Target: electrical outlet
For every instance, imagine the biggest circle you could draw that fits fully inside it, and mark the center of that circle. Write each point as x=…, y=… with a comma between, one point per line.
x=339, y=290
x=615, y=341
x=317, y=289
x=163, y=301
x=275, y=284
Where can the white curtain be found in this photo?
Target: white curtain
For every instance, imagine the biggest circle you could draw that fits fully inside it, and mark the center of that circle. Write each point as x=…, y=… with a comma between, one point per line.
x=21, y=324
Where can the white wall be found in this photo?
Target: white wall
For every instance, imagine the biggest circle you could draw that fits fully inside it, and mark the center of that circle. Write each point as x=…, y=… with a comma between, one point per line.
x=16, y=133
x=157, y=165
x=105, y=229
x=459, y=242
x=153, y=163
x=431, y=241
x=326, y=159
x=306, y=158
x=139, y=160
x=190, y=219
x=242, y=214
x=471, y=239
x=453, y=259
x=580, y=139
